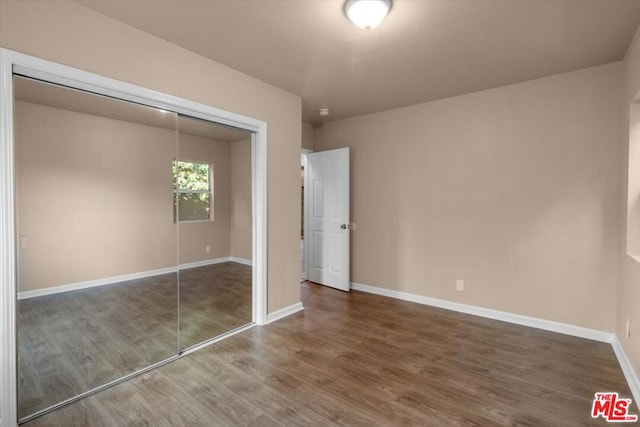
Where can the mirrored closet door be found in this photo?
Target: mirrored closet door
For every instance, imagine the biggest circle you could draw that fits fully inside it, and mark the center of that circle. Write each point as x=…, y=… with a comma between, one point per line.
x=214, y=213
x=134, y=231
x=97, y=277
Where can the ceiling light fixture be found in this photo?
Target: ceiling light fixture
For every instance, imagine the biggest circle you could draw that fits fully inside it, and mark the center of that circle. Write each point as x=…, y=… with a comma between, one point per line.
x=324, y=112
x=367, y=13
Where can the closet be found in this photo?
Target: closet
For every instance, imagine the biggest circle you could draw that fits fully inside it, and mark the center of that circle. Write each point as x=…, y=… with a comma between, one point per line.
x=134, y=231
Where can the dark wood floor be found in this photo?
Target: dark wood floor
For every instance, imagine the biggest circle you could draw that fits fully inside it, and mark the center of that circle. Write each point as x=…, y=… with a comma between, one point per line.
x=72, y=342
x=360, y=359
x=213, y=300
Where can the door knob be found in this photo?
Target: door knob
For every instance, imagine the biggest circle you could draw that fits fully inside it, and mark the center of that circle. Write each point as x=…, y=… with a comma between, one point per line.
x=345, y=226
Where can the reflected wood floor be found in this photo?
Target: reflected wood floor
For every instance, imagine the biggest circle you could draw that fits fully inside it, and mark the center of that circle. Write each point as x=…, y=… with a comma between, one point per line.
x=214, y=300
x=361, y=359
x=72, y=342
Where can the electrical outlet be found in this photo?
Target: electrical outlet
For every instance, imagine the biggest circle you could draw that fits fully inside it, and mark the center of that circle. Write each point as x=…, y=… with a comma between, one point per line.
x=459, y=285
x=207, y=248
x=628, y=328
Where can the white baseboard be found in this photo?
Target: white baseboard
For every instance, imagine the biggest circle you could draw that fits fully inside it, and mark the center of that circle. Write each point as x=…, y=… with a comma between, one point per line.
x=241, y=260
x=627, y=369
x=593, y=334
x=204, y=263
x=284, y=312
x=518, y=319
x=117, y=279
x=94, y=283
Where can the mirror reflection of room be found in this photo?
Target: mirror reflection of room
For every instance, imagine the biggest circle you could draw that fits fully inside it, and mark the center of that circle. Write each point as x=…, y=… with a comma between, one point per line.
x=97, y=281
x=134, y=238
x=213, y=193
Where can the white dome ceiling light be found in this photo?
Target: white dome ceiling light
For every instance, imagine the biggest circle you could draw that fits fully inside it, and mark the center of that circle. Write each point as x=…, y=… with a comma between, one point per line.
x=367, y=13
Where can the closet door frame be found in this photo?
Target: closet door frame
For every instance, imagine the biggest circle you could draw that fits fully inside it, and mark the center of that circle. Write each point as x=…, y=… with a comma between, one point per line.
x=48, y=71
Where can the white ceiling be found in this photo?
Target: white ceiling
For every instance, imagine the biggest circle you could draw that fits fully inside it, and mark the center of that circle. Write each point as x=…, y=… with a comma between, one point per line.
x=424, y=50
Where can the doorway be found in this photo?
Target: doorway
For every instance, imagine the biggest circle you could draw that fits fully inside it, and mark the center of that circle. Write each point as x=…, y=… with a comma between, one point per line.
x=327, y=223
x=303, y=263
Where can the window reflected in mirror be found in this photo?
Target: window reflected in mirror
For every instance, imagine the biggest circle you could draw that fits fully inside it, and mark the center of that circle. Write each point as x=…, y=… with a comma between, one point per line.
x=193, y=191
x=212, y=182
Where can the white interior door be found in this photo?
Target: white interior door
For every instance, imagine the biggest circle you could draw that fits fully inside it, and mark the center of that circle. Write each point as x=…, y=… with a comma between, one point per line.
x=327, y=217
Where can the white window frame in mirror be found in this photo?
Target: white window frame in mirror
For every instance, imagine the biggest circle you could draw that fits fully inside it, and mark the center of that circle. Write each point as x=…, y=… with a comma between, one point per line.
x=72, y=77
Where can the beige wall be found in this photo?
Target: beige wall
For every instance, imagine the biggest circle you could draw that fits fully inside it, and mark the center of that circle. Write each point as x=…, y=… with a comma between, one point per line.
x=307, y=136
x=68, y=33
x=240, y=203
x=94, y=197
x=629, y=269
x=88, y=209
x=194, y=237
x=514, y=190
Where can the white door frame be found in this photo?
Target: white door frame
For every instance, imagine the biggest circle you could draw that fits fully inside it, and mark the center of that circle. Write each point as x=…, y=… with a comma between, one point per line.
x=68, y=76
x=305, y=207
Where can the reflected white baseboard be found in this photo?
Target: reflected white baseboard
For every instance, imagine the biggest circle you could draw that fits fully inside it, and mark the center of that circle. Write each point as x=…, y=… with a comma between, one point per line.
x=241, y=260
x=203, y=263
x=94, y=283
x=125, y=277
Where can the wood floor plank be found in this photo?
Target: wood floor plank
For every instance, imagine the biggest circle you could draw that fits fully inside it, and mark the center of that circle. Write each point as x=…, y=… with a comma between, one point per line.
x=359, y=359
x=290, y=401
x=209, y=396
x=72, y=342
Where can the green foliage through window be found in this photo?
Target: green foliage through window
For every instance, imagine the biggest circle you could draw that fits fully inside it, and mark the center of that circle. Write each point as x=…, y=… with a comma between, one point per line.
x=192, y=191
